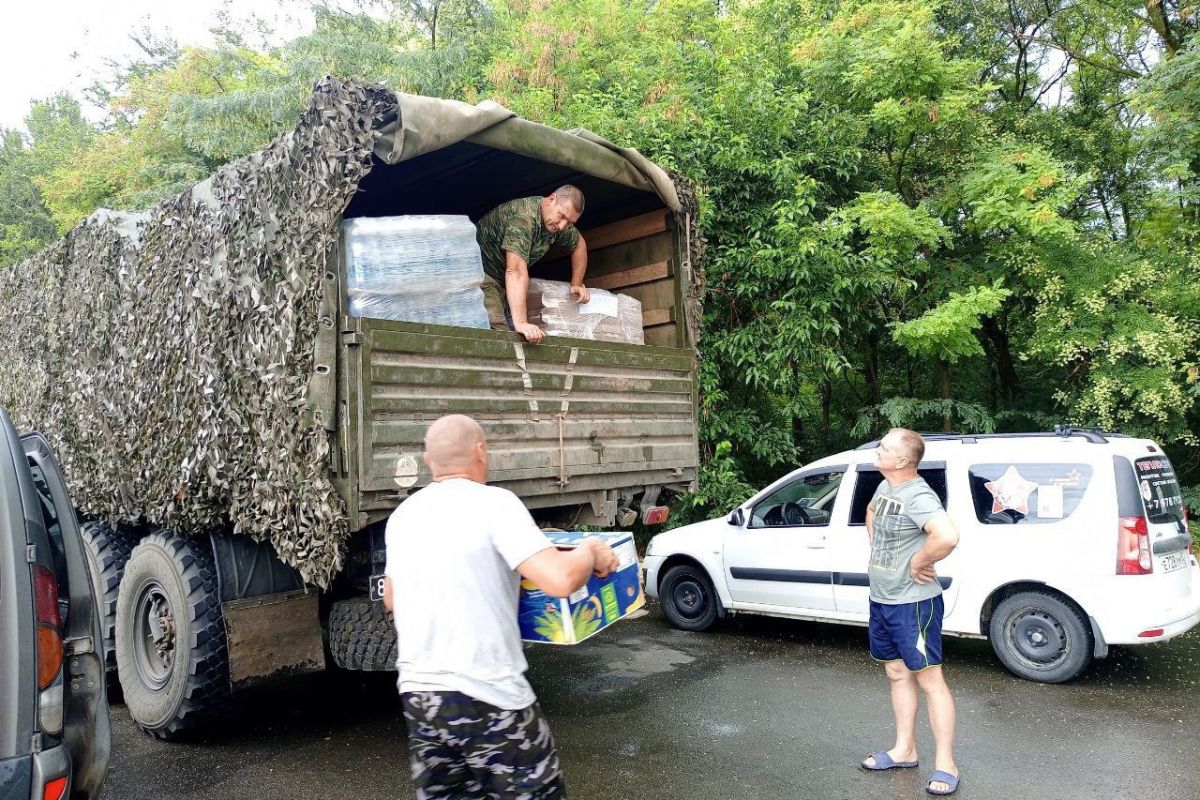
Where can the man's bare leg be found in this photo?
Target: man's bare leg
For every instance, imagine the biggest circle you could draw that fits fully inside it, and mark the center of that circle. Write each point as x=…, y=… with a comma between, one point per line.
x=904, y=707
x=941, y=718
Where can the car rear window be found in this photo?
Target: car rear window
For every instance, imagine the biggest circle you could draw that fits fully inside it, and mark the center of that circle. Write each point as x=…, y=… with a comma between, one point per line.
x=1027, y=493
x=1159, y=489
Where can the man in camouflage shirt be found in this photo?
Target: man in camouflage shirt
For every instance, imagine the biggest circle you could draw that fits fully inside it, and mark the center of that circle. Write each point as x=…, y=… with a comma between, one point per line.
x=516, y=234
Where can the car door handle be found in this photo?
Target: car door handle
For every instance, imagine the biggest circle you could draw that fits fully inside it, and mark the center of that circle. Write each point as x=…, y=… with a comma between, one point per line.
x=819, y=544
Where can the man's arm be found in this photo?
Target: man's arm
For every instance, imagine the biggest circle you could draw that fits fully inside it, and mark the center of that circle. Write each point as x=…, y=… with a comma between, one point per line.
x=560, y=572
x=870, y=522
x=387, y=593
x=941, y=537
x=516, y=286
x=578, y=270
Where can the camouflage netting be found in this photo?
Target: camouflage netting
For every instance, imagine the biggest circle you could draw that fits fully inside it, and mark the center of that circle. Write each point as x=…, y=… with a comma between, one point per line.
x=166, y=355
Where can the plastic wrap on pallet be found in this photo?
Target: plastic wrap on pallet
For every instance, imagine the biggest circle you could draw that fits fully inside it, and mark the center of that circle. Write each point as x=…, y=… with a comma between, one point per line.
x=461, y=308
x=411, y=253
x=550, y=306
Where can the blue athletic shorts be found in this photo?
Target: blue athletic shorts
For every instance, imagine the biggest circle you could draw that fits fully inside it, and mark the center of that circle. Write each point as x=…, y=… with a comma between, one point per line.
x=908, y=631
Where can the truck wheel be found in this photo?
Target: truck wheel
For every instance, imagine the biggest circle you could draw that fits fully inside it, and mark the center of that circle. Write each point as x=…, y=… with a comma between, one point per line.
x=1041, y=637
x=107, y=551
x=170, y=639
x=688, y=598
x=362, y=635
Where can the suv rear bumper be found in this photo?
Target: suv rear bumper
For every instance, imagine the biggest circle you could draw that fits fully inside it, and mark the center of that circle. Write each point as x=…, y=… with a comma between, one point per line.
x=1181, y=617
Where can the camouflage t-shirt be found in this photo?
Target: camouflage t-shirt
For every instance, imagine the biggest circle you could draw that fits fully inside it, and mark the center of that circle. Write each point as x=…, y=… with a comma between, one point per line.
x=516, y=226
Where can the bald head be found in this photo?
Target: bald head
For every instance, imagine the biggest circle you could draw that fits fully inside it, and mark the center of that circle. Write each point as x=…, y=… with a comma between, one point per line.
x=455, y=444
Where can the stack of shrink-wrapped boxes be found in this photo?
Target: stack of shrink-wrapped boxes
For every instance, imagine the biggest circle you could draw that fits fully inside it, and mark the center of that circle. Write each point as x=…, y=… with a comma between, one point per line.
x=427, y=268
x=415, y=268
x=606, y=317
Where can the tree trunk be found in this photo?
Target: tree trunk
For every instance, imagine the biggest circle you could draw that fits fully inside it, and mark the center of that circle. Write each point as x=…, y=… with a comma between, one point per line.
x=944, y=373
x=871, y=371
x=826, y=402
x=1010, y=383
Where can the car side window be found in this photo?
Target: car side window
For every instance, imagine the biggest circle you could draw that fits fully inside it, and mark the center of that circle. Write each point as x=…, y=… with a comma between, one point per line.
x=804, y=502
x=50, y=518
x=1027, y=493
x=867, y=480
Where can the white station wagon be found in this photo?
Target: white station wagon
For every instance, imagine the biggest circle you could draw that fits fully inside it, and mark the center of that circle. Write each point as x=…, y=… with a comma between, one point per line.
x=1070, y=542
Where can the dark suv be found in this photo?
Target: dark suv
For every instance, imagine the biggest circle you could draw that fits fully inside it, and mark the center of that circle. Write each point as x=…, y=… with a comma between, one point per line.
x=54, y=727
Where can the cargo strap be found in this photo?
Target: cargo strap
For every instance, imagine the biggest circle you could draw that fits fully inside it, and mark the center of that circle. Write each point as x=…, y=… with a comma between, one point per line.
x=526, y=380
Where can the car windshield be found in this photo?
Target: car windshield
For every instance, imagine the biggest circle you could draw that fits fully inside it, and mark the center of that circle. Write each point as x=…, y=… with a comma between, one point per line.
x=1159, y=489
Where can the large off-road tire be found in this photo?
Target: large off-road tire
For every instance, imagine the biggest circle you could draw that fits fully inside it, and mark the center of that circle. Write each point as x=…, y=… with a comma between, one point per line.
x=170, y=639
x=688, y=598
x=1041, y=636
x=362, y=635
x=107, y=551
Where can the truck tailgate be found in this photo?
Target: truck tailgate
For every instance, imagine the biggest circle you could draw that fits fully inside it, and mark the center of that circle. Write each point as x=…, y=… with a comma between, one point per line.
x=565, y=419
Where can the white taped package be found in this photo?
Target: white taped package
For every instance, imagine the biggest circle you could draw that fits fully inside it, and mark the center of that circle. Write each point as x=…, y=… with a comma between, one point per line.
x=462, y=308
x=415, y=268
x=607, y=317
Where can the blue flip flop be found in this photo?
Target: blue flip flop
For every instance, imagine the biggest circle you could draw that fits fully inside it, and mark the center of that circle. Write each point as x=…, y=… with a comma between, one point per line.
x=884, y=762
x=942, y=777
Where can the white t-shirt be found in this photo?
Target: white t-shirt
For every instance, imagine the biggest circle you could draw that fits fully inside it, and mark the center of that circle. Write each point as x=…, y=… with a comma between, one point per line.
x=452, y=553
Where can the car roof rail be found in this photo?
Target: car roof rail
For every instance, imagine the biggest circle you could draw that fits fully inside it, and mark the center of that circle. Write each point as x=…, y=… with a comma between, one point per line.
x=1092, y=435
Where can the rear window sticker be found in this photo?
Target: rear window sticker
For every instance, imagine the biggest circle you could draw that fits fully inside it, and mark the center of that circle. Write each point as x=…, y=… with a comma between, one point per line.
x=1070, y=480
x=1011, y=491
x=1050, y=501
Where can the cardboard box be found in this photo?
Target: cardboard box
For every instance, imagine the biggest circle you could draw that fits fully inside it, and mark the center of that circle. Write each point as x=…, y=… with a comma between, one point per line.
x=597, y=605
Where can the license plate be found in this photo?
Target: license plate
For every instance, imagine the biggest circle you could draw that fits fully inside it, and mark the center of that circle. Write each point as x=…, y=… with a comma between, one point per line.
x=377, y=587
x=1174, y=561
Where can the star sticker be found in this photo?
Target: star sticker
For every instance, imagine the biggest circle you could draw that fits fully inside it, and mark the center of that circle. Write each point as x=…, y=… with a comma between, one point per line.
x=1011, y=490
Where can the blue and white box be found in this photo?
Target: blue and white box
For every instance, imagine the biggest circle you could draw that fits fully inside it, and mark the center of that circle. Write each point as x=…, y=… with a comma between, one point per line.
x=596, y=606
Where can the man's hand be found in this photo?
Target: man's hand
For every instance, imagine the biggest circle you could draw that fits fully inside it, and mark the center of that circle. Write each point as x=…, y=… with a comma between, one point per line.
x=922, y=574
x=606, y=559
x=532, y=333
x=581, y=293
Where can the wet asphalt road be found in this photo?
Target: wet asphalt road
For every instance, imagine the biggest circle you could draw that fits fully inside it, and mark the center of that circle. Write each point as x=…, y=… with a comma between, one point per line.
x=760, y=708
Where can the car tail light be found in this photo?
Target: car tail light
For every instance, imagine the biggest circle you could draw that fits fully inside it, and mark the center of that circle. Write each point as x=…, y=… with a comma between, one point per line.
x=1150, y=634
x=1133, y=547
x=55, y=789
x=49, y=626
x=49, y=650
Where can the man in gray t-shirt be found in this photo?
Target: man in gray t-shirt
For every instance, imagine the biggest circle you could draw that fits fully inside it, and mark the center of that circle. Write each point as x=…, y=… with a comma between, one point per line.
x=898, y=533
x=910, y=532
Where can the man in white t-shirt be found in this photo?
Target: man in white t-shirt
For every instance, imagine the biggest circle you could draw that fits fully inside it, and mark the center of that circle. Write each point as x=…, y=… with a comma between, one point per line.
x=456, y=553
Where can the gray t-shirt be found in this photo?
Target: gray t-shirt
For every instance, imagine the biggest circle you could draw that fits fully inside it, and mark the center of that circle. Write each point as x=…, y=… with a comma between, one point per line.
x=452, y=553
x=897, y=534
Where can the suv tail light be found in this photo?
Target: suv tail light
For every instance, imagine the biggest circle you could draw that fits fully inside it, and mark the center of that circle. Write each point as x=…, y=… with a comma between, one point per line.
x=1133, y=547
x=49, y=650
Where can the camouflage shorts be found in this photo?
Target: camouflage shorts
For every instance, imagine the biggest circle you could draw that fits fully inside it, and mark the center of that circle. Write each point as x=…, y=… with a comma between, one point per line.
x=463, y=749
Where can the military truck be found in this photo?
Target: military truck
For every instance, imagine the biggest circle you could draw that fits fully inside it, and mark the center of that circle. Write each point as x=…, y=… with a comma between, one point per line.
x=236, y=441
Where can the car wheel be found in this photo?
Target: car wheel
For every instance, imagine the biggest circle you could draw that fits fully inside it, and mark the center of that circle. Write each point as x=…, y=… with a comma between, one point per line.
x=107, y=552
x=1041, y=637
x=172, y=658
x=688, y=598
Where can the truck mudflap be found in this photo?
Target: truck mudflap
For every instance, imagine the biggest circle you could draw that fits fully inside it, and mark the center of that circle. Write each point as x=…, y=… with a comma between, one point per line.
x=272, y=636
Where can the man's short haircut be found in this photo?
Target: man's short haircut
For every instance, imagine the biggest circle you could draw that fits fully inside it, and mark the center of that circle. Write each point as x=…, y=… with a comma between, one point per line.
x=572, y=195
x=911, y=441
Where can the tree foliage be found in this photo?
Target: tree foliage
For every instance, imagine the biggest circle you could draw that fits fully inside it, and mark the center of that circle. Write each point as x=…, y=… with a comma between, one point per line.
x=983, y=215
